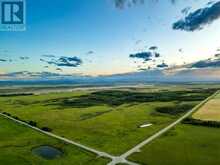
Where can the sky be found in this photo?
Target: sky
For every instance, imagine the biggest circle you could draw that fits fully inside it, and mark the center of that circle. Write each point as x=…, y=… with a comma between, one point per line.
x=105, y=37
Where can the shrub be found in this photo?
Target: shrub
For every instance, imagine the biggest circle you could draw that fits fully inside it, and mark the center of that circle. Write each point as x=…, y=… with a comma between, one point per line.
x=32, y=123
x=5, y=113
x=16, y=94
x=175, y=110
x=15, y=117
x=46, y=129
x=192, y=121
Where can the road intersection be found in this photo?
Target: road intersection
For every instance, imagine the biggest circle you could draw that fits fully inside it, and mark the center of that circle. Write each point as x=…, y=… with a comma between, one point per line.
x=115, y=159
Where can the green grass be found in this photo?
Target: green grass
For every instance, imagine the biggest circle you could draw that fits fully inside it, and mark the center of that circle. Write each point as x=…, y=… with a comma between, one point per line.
x=185, y=144
x=106, y=120
x=217, y=96
x=17, y=141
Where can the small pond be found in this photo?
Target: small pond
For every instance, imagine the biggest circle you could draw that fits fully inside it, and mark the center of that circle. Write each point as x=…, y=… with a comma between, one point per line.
x=47, y=152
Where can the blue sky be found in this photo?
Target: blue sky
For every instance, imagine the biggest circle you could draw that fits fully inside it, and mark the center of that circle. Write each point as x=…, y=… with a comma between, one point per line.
x=103, y=36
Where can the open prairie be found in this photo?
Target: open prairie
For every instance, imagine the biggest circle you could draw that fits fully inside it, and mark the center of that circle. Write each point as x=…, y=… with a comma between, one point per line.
x=17, y=142
x=185, y=144
x=114, y=117
x=192, y=142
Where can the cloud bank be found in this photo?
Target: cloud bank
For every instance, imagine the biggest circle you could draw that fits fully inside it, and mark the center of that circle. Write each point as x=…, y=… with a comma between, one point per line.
x=198, y=66
x=28, y=75
x=198, y=19
x=206, y=64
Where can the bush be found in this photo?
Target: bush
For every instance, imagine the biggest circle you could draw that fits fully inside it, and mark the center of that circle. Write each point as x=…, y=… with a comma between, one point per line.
x=32, y=123
x=5, y=113
x=15, y=117
x=175, y=110
x=16, y=94
x=46, y=129
x=192, y=121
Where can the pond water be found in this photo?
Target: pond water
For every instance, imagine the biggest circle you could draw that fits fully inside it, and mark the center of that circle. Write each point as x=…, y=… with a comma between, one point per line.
x=47, y=152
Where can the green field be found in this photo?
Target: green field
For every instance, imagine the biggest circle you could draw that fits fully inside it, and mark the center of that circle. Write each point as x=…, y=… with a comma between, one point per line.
x=193, y=142
x=185, y=144
x=107, y=120
x=17, y=141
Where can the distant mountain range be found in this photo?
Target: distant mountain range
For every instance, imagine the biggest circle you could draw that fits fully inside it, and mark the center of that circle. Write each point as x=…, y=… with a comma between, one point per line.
x=148, y=76
x=201, y=71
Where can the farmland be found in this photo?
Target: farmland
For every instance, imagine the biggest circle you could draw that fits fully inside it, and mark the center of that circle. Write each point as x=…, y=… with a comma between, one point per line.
x=185, y=144
x=112, y=116
x=17, y=142
x=210, y=111
x=107, y=119
x=192, y=142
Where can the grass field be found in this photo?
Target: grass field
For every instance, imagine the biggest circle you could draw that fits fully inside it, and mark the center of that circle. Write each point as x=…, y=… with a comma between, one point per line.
x=16, y=143
x=185, y=144
x=193, y=143
x=210, y=111
x=113, y=116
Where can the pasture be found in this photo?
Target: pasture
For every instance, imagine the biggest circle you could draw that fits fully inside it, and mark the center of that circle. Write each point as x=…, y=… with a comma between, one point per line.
x=185, y=144
x=193, y=142
x=107, y=120
x=17, y=142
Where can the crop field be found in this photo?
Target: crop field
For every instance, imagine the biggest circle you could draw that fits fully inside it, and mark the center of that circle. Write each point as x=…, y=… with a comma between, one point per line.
x=17, y=142
x=107, y=120
x=185, y=144
x=210, y=111
x=193, y=142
